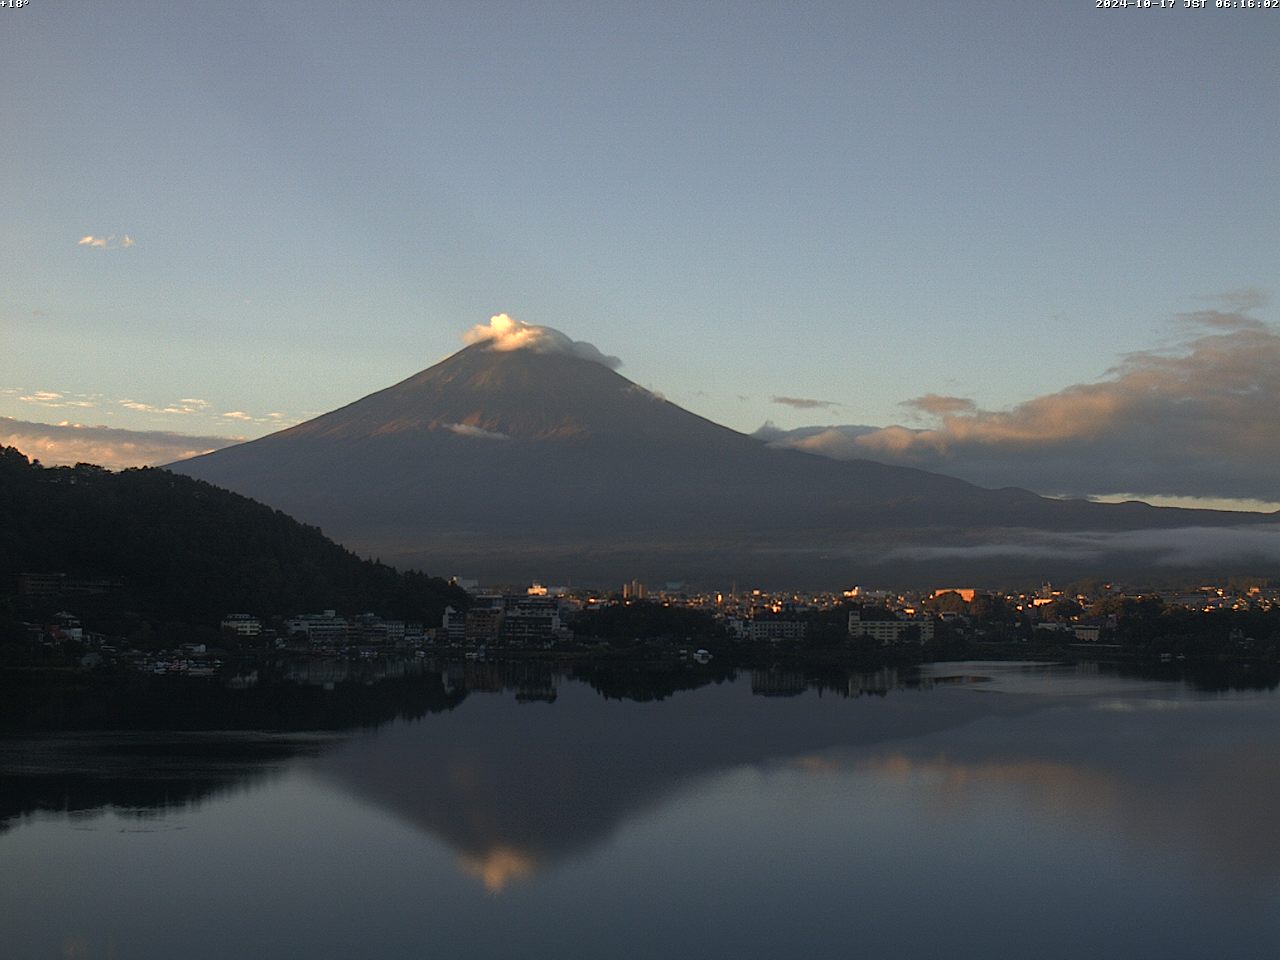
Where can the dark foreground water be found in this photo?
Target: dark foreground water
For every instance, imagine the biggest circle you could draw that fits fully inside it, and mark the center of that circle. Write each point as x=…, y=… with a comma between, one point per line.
x=992, y=811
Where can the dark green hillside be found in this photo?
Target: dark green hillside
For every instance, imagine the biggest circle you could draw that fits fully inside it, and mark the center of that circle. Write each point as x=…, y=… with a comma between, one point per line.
x=155, y=546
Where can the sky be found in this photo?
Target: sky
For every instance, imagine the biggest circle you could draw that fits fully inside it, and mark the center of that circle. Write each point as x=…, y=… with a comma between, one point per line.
x=1018, y=243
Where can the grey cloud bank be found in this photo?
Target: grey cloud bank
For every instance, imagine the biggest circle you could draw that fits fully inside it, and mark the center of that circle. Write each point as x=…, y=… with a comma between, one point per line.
x=109, y=447
x=1175, y=547
x=1196, y=420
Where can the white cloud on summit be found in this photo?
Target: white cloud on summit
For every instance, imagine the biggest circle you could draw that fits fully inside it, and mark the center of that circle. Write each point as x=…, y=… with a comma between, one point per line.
x=503, y=332
x=1195, y=420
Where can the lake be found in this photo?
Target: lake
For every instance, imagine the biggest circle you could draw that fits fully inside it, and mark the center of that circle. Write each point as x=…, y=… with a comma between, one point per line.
x=972, y=810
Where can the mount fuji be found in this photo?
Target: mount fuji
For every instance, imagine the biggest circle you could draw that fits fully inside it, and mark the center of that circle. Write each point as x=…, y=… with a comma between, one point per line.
x=542, y=461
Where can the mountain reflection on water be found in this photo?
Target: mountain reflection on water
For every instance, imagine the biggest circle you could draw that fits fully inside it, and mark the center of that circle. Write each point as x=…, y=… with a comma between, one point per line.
x=151, y=744
x=514, y=787
x=517, y=766
x=513, y=793
x=968, y=809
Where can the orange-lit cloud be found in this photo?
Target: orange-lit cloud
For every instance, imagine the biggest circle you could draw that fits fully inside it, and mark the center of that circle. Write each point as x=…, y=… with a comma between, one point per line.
x=115, y=449
x=1196, y=420
x=109, y=242
x=940, y=406
x=503, y=332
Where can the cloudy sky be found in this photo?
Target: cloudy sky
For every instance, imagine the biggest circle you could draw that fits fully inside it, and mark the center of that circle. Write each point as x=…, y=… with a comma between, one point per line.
x=1027, y=244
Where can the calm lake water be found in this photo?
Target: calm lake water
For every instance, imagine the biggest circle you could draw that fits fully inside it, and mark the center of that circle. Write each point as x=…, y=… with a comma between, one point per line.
x=991, y=810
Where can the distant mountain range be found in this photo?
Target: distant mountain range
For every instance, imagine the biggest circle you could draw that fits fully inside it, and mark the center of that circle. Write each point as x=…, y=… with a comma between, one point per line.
x=515, y=464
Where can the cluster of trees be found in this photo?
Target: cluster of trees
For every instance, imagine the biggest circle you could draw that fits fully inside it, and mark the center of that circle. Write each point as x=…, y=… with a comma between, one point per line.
x=1147, y=622
x=986, y=608
x=645, y=620
x=1143, y=623
x=180, y=551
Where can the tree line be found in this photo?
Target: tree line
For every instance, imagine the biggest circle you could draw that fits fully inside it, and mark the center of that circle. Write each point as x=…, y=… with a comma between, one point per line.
x=146, y=546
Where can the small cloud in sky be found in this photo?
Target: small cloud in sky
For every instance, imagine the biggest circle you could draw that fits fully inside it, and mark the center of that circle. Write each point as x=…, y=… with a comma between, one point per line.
x=190, y=406
x=179, y=408
x=936, y=405
x=56, y=399
x=503, y=332
x=110, y=447
x=1224, y=320
x=109, y=242
x=1240, y=301
x=804, y=403
x=1196, y=419
x=273, y=419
